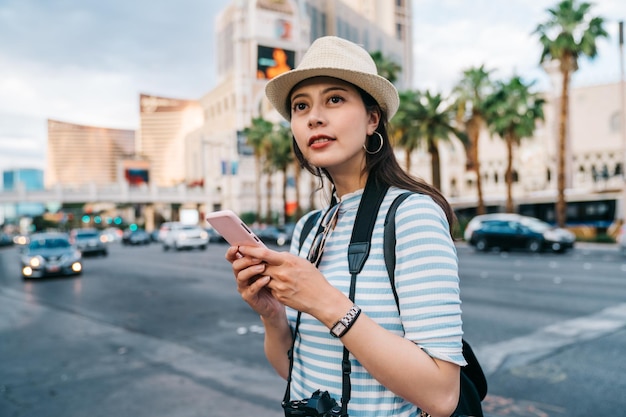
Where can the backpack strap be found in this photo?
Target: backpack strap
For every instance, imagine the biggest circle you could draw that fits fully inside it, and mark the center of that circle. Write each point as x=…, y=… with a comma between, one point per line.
x=389, y=242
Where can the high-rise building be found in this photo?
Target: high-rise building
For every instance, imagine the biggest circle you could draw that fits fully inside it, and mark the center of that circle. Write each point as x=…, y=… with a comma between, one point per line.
x=256, y=40
x=165, y=122
x=80, y=155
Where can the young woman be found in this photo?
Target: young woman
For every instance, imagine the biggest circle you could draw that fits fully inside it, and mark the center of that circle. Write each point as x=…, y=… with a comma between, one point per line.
x=403, y=360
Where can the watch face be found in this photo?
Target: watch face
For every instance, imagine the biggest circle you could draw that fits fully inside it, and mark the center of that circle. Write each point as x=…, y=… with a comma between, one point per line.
x=339, y=329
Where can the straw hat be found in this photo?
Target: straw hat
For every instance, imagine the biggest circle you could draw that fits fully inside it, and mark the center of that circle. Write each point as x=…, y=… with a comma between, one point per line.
x=331, y=56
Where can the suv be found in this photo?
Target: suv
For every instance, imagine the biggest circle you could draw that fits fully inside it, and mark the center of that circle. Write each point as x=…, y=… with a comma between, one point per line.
x=89, y=242
x=183, y=236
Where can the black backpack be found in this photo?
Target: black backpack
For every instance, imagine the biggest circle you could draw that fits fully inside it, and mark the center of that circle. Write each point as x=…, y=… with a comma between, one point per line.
x=473, y=381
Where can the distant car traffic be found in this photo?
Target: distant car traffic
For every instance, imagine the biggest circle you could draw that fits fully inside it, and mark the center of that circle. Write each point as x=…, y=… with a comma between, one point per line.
x=50, y=254
x=521, y=232
x=89, y=241
x=184, y=236
x=5, y=239
x=273, y=235
x=214, y=237
x=136, y=237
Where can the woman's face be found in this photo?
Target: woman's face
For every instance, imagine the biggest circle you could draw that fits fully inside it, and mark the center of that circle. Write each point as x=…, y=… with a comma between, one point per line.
x=330, y=124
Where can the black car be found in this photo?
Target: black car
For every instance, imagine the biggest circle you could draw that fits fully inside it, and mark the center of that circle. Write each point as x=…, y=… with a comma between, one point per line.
x=272, y=235
x=525, y=233
x=136, y=237
x=50, y=254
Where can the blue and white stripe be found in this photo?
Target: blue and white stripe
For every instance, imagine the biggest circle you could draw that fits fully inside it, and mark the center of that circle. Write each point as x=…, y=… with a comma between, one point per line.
x=428, y=290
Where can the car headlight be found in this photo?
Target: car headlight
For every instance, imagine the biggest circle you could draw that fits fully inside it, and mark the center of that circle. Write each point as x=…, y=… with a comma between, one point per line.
x=35, y=261
x=204, y=235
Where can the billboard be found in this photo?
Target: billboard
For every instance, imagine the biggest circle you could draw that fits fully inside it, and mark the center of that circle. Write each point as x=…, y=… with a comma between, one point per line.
x=136, y=172
x=273, y=61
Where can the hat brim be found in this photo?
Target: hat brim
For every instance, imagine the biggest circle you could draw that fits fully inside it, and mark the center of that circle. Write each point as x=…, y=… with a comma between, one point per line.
x=384, y=92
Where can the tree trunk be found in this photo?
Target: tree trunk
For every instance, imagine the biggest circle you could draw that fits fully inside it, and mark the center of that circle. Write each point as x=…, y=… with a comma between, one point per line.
x=473, y=131
x=268, y=203
x=508, y=176
x=561, y=205
x=435, y=163
x=284, y=219
x=296, y=174
x=257, y=187
x=407, y=159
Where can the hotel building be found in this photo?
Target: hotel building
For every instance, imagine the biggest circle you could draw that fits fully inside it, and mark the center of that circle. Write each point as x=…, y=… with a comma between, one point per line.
x=80, y=155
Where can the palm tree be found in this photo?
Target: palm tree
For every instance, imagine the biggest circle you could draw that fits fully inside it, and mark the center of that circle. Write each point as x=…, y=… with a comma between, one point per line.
x=471, y=92
x=258, y=135
x=569, y=32
x=281, y=157
x=513, y=111
x=386, y=68
x=405, y=127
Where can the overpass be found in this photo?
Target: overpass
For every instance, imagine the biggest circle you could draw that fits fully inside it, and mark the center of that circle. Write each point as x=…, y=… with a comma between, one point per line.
x=113, y=193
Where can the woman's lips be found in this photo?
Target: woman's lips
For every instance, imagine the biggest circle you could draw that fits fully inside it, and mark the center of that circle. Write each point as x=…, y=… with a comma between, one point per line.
x=319, y=139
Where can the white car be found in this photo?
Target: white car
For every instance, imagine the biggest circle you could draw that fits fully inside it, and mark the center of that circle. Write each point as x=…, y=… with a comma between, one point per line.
x=184, y=236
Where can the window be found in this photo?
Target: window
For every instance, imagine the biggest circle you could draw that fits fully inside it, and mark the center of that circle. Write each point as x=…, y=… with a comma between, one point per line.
x=615, y=124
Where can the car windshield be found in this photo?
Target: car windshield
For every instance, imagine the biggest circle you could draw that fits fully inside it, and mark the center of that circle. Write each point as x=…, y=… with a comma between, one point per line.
x=51, y=243
x=86, y=235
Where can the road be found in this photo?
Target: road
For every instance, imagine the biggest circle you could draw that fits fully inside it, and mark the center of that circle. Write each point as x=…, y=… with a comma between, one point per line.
x=145, y=332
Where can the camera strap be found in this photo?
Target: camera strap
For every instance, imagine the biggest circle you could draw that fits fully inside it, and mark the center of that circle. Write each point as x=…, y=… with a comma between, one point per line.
x=358, y=251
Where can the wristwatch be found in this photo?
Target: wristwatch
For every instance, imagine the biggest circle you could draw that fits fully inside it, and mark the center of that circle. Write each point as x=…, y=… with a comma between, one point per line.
x=342, y=326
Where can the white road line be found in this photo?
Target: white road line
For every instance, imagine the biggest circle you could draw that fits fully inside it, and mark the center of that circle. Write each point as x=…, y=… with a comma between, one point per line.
x=525, y=349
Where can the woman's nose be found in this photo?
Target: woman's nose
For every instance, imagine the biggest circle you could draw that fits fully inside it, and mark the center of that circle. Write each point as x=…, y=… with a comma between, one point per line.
x=315, y=119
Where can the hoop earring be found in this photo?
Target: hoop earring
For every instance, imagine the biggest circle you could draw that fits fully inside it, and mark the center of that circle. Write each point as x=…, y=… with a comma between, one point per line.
x=379, y=147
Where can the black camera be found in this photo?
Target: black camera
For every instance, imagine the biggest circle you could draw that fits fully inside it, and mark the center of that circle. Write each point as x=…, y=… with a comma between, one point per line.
x=321, y=404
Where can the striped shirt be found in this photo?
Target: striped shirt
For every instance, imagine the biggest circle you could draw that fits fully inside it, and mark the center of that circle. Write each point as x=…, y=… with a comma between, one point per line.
x=428, y=291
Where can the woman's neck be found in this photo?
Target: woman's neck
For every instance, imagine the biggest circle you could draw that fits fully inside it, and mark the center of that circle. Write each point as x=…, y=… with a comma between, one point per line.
x=346, y=184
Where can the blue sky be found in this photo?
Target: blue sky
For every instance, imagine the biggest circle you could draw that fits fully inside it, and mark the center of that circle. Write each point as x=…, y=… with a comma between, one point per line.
x=87, y=61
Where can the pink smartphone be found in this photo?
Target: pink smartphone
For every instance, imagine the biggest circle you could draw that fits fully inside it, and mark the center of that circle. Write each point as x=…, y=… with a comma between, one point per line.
x=233, y=229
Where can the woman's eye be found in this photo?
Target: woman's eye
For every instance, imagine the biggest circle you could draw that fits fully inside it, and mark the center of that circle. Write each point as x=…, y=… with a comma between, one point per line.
x=298, y=106
x=336, y=99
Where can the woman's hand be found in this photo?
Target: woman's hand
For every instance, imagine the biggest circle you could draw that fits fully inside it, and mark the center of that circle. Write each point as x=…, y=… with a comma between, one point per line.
x=293, y=281
x=252, y=283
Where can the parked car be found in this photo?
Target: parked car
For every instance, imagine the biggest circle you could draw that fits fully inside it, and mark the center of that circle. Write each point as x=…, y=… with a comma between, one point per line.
x=89, y=241
x=50, y=254
x=521, y=232
x=185, y=236
x=136, y=237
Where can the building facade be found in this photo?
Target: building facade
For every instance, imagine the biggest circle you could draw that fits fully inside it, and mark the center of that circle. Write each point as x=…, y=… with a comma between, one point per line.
x=81, y=155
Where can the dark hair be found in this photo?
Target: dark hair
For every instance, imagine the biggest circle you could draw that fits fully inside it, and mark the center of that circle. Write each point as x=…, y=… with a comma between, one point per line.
x=383, y=165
